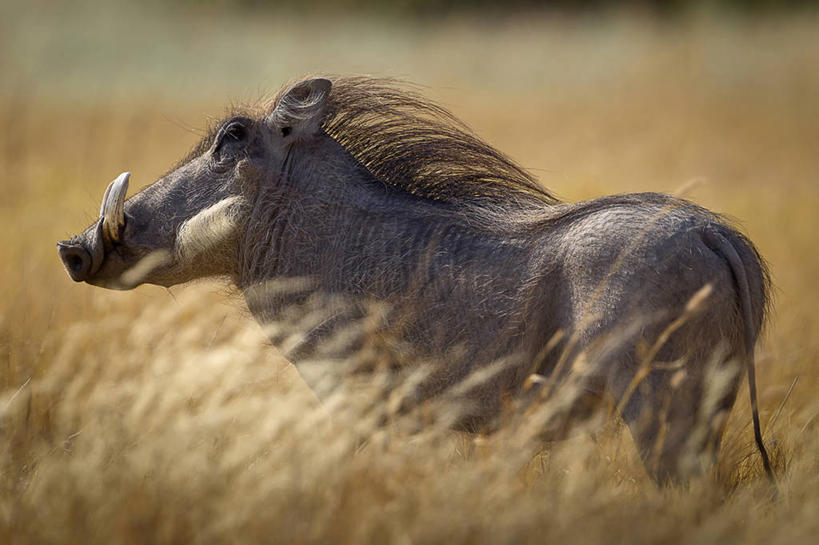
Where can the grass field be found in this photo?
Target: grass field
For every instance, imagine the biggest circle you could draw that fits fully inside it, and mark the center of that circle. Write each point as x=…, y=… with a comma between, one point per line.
x=159, y=416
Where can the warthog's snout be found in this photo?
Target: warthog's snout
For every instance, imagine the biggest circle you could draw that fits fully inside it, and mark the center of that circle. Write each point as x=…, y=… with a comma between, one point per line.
x=83, y=254
x=76, y=259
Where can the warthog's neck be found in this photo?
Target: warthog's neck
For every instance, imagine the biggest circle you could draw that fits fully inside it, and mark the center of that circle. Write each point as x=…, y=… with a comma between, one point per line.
x=331, y=246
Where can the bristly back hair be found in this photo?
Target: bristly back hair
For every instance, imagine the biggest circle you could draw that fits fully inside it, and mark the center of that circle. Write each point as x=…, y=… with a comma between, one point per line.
x=417, y=146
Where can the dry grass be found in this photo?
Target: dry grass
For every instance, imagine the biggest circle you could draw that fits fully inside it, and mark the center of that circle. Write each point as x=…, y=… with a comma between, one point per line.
x=154, y=417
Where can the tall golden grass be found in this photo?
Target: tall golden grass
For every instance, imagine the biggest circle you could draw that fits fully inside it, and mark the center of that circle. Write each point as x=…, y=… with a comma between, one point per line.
x=164, y=416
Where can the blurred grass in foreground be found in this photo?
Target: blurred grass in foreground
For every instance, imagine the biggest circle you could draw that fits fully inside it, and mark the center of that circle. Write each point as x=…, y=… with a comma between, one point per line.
x=153, y=417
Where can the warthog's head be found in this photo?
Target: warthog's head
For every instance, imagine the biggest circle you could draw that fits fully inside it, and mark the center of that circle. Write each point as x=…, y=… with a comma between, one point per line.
x=187, y=224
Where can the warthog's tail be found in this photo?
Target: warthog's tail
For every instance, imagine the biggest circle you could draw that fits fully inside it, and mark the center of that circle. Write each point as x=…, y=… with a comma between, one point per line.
x=724, y=247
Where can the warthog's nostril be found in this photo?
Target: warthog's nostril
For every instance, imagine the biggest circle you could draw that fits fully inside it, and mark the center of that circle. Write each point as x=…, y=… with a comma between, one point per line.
x=76, y=259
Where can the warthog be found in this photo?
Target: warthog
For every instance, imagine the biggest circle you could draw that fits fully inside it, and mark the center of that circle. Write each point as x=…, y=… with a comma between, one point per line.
x=361, y=191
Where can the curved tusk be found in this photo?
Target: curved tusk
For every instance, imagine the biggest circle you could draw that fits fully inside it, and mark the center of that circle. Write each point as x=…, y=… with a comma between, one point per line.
x=112, y=210
x=105, y=198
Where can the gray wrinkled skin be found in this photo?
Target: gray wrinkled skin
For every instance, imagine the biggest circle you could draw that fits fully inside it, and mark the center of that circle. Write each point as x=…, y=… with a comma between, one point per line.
x=366, y=196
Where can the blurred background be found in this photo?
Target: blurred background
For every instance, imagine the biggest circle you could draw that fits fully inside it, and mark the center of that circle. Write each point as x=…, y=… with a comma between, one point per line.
x=718, y=98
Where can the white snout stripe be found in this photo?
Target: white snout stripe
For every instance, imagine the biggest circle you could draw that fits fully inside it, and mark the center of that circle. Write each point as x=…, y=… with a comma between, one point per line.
x=208, y=228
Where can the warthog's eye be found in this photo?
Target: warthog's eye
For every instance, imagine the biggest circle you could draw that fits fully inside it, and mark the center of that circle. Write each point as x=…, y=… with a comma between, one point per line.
x=236, y=131
x=232, y=134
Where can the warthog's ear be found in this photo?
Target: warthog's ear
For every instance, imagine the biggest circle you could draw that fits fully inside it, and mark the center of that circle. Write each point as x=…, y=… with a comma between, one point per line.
x=300, y=110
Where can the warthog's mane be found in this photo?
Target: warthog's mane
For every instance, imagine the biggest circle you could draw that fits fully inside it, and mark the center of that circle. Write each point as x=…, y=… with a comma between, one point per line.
x=417, y=146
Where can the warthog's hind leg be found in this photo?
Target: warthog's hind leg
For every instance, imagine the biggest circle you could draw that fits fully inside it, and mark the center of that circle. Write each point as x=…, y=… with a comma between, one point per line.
x=677, y=417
